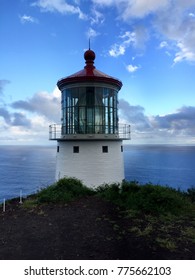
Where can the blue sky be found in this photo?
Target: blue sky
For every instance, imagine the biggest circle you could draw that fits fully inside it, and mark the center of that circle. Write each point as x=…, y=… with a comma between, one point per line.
x=148, y=44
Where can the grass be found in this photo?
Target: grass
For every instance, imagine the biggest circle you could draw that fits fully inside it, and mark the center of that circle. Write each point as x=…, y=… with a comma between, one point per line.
x=62, y=191
x=132, y=197
x=148, y=199
x=161, y=215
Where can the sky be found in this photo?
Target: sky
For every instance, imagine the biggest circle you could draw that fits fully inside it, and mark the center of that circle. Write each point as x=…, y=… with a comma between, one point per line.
x=149, y=45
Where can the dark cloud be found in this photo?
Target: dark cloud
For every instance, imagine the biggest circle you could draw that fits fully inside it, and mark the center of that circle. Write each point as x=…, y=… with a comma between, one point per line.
x=41, y=103
x=183, y=119
x=6, y=115
x=21, y=104
x=28, y=120
x=170, y=126
x=20, y=120
x=3, y=83
x=133, y=115
x=14, y=119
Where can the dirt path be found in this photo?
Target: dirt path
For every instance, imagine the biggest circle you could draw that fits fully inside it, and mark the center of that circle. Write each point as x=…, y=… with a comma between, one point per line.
x=84, y=229
x=89, y=228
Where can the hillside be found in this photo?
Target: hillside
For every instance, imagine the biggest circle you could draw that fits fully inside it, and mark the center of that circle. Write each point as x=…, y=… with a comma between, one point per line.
x=89, y=226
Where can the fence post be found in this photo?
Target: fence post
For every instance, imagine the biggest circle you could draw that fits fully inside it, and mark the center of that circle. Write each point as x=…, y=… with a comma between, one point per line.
x=20, y=197
x=4, y=205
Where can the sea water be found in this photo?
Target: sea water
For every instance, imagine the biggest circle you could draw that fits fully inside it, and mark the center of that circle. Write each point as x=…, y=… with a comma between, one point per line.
x=27, y=169
x=167, y=165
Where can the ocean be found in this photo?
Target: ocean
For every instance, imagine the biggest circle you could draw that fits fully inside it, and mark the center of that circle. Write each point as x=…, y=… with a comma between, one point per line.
x=167, y=165
x=27, y=169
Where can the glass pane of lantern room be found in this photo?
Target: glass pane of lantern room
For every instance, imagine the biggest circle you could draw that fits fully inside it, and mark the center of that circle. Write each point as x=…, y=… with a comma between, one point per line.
x=90, y=120
x=64, y=112
x=90, y=109
x=105, y=102
x=99, y=111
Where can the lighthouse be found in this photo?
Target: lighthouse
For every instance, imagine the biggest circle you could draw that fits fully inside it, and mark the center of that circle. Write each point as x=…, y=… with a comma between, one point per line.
x=89, y=137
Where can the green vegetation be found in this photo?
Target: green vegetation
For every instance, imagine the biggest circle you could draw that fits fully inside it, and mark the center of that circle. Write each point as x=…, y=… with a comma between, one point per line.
x=64, y=190
x=191, y=194
x=149, y=199
x=164, y=217
x=132, y=197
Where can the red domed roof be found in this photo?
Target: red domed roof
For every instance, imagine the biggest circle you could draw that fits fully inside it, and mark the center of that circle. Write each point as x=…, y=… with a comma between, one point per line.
x=89, y=74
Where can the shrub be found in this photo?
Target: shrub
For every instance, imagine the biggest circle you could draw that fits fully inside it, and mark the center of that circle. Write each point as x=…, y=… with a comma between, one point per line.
x=132, y=186
x=64, y=190
x=155, y=199
x=191, y=193
x=161, y=200
x=148, y=198
x=109, y=192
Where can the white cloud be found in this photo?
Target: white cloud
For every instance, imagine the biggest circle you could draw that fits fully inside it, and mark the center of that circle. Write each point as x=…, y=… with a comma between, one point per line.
x=179, y=28
x=96, y=17
x=104, y=2
x=163, y=44
x=129, y=37
x=136, y=39
x=92, y=33
x=172, y=20
x=191, y=14
x=38, y=132
x=134, y=8
x=43, y=104
x=185, y=53
x=60, y=6
x=28, y=120
x=132, y=68
x=117, y=50
x=28, y=19
x=141, y=8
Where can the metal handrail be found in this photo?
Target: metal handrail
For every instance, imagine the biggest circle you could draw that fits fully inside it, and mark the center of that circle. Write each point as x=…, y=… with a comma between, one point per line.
x=60, y=132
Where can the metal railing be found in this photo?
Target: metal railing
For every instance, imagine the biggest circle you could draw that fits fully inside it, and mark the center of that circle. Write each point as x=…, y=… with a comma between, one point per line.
x=60, y=132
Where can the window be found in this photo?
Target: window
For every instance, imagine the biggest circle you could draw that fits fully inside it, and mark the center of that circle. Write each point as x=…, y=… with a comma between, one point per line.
x=89, y=110
x=104, y=149
x=58, y=149
x=75, y=149
x=121, y=149
x=90, y=96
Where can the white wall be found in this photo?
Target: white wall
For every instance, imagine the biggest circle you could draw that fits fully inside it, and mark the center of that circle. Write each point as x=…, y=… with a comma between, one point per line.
x=90, y=165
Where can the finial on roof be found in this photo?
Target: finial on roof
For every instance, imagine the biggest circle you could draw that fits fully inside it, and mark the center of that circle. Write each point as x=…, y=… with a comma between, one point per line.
x=89, y=56
x=89, y=43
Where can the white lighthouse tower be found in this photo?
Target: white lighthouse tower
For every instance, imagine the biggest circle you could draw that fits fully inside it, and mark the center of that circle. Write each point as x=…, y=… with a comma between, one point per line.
x=89, y=138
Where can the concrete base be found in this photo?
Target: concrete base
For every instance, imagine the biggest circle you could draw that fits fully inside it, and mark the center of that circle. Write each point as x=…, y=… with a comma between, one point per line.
x=93, y=162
